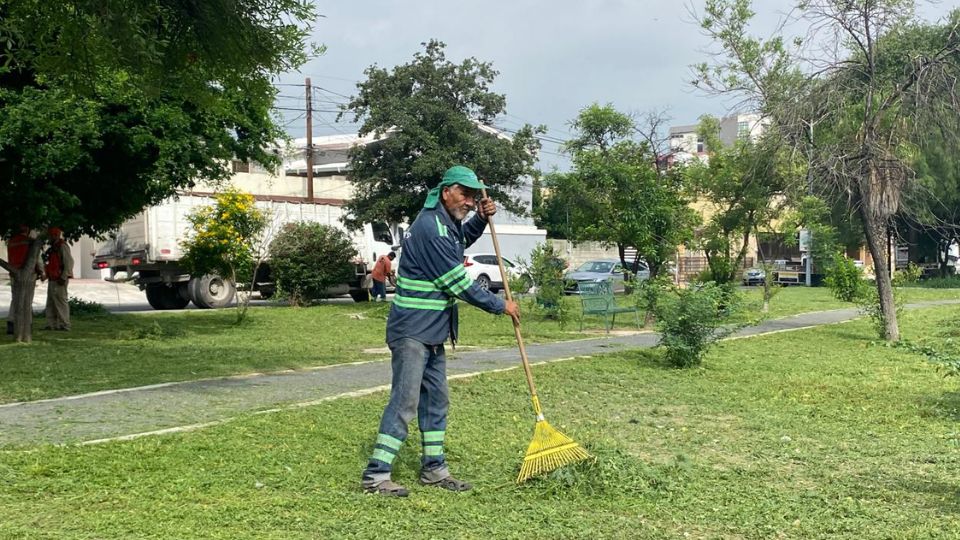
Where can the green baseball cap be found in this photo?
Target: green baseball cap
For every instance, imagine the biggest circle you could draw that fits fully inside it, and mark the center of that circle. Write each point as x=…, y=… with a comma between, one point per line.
x=458, y=174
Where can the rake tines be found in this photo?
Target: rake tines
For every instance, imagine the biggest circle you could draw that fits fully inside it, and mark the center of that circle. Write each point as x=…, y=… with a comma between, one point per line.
x=548, y=451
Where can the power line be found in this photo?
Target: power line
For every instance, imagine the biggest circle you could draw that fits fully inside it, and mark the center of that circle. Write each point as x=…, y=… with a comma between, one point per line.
x=332, y=92
x=303, y=110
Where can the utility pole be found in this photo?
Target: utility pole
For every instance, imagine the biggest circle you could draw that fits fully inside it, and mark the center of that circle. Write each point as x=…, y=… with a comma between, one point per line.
x=309, y=142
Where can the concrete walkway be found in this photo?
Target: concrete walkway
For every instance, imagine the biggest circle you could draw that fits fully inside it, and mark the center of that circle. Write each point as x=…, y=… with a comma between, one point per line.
x=129, y=413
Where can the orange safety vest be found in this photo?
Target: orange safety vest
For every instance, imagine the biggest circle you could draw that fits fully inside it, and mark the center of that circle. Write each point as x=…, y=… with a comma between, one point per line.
x=17, y=250
x=54, y=264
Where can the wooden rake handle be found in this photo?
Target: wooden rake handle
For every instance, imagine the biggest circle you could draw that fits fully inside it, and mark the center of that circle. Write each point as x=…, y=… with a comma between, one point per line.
x=516, y=324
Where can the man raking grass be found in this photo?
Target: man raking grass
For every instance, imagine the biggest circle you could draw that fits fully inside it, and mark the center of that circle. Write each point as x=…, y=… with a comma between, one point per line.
x=430, y=279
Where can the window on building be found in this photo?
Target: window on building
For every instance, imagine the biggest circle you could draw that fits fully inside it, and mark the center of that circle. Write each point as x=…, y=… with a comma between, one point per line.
x=240, y=166
x=743, y=130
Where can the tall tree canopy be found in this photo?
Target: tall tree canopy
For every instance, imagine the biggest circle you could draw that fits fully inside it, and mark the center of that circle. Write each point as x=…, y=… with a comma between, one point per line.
x=855, y=103
x=108, y=106
x=431, y=114
x=744, y=187
x=616, y=194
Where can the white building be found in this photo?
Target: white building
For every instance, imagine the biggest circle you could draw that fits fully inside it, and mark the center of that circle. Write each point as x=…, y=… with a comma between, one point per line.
x=685, y=143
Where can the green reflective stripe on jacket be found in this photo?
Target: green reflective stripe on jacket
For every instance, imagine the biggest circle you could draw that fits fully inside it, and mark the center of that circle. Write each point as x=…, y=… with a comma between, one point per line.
x=410, y=302
x=452, y=276
x=433, y=450
x=387, y=440
x=461, y=285
x=382, y=455
x=433, y=436
x=417, y=285
x=441, y=228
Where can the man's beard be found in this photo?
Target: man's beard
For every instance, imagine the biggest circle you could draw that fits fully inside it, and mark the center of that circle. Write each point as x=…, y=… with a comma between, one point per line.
x=459, y=213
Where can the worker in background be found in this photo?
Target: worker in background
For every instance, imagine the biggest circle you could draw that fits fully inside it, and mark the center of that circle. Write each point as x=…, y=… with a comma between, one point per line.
x=382, y=271
x=18, y=247
x=59, y=270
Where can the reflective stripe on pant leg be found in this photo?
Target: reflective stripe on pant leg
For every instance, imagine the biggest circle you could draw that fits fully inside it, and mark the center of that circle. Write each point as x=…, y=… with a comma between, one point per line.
x=432, y=443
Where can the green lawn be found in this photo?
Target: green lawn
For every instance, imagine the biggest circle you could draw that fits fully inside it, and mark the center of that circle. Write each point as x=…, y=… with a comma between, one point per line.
x=808, y=434
x=119, y=351
x=793, y=300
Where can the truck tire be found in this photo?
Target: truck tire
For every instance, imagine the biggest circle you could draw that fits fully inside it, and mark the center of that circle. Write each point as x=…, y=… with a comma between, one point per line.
x=211, y=291
x=162, y=296
x=267, y=292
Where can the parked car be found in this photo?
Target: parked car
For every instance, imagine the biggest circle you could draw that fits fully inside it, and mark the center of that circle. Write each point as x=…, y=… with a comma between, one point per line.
x=601, y=270
x=754, y=276
x=483, y=269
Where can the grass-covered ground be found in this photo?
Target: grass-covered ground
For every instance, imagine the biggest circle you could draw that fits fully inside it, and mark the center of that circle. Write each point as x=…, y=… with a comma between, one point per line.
x=808, y=434
x=117, y=351
x=120, y=351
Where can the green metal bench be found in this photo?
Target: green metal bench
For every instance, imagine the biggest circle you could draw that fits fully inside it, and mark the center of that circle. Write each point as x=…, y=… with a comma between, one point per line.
x=596, y=298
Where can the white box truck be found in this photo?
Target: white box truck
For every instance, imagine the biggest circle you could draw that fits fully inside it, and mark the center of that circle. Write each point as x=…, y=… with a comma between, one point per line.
x=146, y=250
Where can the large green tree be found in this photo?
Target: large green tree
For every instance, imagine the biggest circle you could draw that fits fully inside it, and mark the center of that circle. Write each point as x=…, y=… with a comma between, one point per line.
x=854, y=99
x=108, y=106
x=430, y=114
x=616, y=194
x=744, y=187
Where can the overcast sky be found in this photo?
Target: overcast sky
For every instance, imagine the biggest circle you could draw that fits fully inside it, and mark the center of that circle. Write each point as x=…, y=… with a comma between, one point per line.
x=554, y=56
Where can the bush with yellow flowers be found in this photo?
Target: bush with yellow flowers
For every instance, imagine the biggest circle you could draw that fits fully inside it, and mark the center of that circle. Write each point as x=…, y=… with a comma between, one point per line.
x=225, y=236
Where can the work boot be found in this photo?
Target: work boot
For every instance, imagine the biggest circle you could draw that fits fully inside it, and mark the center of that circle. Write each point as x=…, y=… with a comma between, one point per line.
x=386, y=488
x=9, y=328
x=448, y=482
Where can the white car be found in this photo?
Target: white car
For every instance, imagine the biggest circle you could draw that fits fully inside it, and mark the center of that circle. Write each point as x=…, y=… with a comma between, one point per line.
x=482, y=268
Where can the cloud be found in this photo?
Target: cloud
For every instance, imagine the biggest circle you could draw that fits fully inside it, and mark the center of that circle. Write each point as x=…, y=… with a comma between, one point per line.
x=554, y=57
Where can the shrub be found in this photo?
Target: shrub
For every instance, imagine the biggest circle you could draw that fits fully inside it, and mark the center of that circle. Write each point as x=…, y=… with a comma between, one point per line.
x=80, y=307
x=546, y=270
x=845, y=280
x=908, y=276
x=306, y=259
x=520, y=283
x=646, y=293
x=224, y=237
x=689, y=319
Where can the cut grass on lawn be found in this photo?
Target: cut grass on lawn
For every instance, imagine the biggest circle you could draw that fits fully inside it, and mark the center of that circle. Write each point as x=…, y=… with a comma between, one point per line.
x=808, y=434
x=122, y=351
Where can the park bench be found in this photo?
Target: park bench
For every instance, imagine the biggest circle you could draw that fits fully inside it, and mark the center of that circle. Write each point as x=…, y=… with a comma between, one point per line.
x=596, y=298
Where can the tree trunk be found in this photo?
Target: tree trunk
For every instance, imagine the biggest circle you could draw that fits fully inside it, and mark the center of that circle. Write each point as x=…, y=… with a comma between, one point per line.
x=648, y=318
x=942, y=255
x=767, y=293
x=875, y=231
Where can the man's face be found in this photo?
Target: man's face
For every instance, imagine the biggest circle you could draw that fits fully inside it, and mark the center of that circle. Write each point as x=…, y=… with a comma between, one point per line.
x=459, y=201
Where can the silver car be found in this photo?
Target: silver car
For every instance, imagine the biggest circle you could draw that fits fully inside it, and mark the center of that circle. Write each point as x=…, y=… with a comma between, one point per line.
x=601, y=270
x=754, y=276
